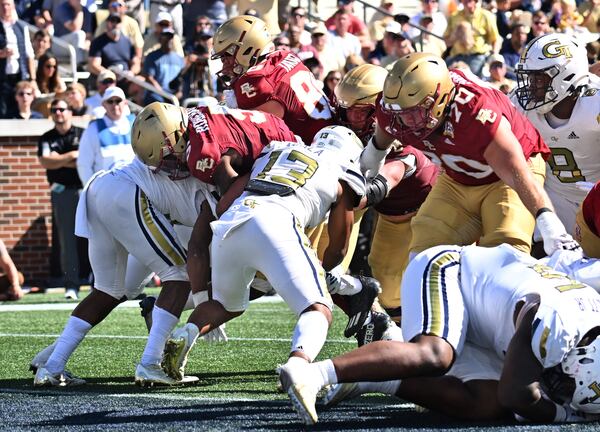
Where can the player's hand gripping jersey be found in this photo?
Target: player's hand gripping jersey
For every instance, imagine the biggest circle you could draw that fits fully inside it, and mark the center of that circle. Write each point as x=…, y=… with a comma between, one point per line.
x=215, y=129
x=282, y=77
x=473, y=118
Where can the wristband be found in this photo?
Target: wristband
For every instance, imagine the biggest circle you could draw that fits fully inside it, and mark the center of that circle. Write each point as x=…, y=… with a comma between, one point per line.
x=543, y=210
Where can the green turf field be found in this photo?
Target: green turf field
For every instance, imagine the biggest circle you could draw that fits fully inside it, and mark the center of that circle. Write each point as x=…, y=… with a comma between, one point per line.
x=237, y=388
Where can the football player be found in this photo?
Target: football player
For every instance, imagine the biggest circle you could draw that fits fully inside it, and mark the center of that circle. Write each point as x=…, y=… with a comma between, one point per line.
x=493, y=158
x=269, y=80
x=123, y=214
x=472, y=294
x=396, y=192
x=292, y=187
x=561, y=97
x=587, y=229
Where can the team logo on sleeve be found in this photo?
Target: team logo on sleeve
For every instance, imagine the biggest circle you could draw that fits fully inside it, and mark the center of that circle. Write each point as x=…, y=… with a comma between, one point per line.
x=486, y=115
x=205, y=164
x=248, y=89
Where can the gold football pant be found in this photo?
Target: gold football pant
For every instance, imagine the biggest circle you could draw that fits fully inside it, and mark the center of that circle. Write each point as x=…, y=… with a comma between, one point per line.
x=492, y=214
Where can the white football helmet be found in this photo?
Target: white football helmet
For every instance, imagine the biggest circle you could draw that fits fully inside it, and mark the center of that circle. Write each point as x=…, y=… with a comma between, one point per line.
x=562, y=58
x=583, y=365
x=338, y=142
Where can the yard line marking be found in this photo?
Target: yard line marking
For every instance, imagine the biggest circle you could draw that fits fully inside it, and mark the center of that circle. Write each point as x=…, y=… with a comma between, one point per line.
x=94, y=336
x=126, y=304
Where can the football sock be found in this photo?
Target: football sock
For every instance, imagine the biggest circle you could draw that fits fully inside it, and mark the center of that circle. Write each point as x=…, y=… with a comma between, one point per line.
x=350, y=285
x=385, y=387
x=325, y=373
x=70, y=338
x=310, y=333
x=163, y=323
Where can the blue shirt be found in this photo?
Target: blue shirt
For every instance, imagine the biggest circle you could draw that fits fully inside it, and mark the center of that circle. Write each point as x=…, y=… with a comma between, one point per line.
x=164, y=67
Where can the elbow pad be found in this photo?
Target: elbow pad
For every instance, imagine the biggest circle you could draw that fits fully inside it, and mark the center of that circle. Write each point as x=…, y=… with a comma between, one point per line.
x=377, y=190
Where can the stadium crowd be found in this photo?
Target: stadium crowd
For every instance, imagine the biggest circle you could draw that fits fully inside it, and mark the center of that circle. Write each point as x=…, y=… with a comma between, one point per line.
x=414, y=117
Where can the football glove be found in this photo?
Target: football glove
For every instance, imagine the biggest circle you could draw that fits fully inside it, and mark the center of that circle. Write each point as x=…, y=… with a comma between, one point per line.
x=216, y=335
x=554, y=234
x=372, y=159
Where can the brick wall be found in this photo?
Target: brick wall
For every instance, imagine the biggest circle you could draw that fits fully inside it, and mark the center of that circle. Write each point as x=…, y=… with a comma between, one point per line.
x=25, y=210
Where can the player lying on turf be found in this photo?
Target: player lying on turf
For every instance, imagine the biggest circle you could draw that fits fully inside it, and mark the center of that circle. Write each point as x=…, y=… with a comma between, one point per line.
x=536, y=319
x=291, y=187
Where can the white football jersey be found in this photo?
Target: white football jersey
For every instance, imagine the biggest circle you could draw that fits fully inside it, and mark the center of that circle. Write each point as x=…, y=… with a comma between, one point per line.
x=179, y=199
x=575, y=151
x=586, y=270
x=494, y=280
x=307, y=180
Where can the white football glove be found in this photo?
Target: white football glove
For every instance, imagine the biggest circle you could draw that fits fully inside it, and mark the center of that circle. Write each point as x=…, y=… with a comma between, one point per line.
x=584, y=186
x=230, y=100
x=372, y=159
x=216, y=335
x=554, y=234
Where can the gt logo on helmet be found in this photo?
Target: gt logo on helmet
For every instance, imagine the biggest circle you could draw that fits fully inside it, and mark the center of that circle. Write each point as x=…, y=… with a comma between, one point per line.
x=554, y=49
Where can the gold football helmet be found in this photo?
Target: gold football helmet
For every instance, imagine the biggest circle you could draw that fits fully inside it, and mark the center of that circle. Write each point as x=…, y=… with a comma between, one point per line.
x=355, y=96
x=159, y=138
x=240, y=42
x=417, y=93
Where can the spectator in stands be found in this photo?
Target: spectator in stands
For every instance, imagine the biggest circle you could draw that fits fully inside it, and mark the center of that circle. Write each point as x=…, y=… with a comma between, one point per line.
x=129, y=26
x=136, y=93
x=354, y=26
x=331, y=80
x=379, y=20
x=44, y=20
x=298, y=19
x=401, y=44
x=41, y=44
x=195, y=79
x=58, y=151
x=173, y=8
x=152, y=40
x=314, y=66
x=429, y=8
x=384, y=47
x=162, y=65
x=513, y=47
x=472, y=35
x=136, y=10
x=75, y=97
x=203, y=25
x=113, y=50
x=296, y=46
x=10, y=278
x=565, y=17
x=48, y=78
x=107, y=141
x=68, y=25
x=196, y=11
x=341, y=38
x=503, y=17
x=25, y=94
x=282, y=42
x=590, y=11
x=497, y=76
x=16, y=56
x=427, y=42
x=540, y=25
x=330, y=57
x=105, y=80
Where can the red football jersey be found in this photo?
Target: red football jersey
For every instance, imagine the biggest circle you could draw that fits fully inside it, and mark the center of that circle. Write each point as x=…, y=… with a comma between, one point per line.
x=591, y=209
x=282, y=77
x=215, y=129
x=409, y=194
x=459, y=143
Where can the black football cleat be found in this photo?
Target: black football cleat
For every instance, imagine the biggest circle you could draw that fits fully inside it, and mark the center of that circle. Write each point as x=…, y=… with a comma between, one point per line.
x=147, y=305
x=359, y=304
x=379, y=327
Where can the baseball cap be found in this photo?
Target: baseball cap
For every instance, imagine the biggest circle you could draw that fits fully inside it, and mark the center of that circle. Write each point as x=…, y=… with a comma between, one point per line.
x=106, y=74
x=495, y=58
x=112, y=92
x=396, y=28
x=163, y=16
x=320, y=29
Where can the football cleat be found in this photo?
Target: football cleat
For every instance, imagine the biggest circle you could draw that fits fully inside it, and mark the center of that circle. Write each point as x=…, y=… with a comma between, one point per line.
x=40, y=359
x=341, y=392
x=379, y=327
x=150, y=375
x=43, y=378
x=296, y=382
x=177, y=349
x=147, y=305
x=360, y=304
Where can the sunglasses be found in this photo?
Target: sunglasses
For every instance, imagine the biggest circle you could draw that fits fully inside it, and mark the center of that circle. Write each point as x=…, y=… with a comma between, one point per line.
x=282, y=44
x=113, y=101
x=49, y=66
x=24, y=94
x=539, y=22
x=164, y=24
x=334, y=79
x=58, y=110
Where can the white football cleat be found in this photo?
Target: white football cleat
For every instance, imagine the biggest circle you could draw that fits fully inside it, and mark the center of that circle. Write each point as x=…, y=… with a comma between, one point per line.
x=41, y=358
x=341, y=392
x=177, y=349
x=296, y=381
x=43, y=378
x=150, y=375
